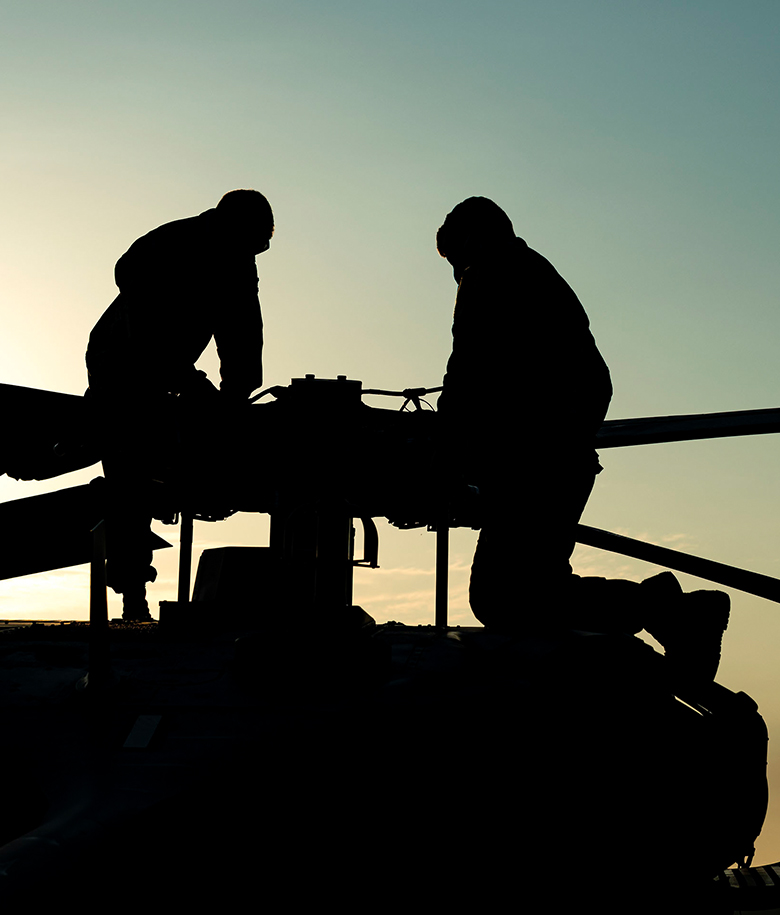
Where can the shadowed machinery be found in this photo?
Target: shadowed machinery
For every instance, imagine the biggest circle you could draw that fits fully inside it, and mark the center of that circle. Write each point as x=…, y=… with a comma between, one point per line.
x=229, y=743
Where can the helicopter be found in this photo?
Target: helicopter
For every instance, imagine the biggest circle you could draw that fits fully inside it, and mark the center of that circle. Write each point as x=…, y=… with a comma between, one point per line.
x=581, y=733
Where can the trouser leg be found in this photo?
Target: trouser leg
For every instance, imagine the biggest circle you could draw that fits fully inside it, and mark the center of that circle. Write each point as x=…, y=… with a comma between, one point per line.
x=128, y=521
x=128, y=531
x=521, y=565
x=131, y=421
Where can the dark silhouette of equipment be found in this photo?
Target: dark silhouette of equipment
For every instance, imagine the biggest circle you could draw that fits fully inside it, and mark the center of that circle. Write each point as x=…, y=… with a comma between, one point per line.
x=54, y=531
x=268, y=710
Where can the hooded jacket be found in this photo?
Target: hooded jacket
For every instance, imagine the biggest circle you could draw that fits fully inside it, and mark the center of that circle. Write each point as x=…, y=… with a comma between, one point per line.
x=524, y=365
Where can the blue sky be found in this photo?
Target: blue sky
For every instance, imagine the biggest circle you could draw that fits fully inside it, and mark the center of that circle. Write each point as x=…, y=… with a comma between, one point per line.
x=634, y=144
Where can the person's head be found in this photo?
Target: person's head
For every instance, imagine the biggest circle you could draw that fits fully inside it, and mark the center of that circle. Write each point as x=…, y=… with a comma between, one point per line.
x=247, y=217
x=474, y=229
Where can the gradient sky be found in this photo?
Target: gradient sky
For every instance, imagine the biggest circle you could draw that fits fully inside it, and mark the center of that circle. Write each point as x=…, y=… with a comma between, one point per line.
x=633, y=144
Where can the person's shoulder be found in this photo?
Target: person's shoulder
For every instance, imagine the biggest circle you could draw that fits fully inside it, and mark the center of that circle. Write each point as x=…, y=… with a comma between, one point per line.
x=538, y=267
x=531, y=258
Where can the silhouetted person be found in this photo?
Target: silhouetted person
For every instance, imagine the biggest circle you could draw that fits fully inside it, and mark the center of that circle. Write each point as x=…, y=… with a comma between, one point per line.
x=525, y=392
x=180, y=285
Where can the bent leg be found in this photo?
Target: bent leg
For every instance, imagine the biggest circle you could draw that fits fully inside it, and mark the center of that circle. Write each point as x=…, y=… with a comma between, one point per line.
x=521, y=571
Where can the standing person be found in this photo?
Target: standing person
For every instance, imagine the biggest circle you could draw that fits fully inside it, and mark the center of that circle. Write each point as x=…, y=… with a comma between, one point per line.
x=525, y=392
x=179, y=285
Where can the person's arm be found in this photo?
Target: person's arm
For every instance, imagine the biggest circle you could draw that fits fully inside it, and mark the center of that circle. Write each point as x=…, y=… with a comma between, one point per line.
x=239, y=338
x=470, y=347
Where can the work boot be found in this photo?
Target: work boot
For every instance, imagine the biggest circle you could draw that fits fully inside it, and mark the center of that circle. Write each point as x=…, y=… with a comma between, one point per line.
x=135, y=609
x=689, y=626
